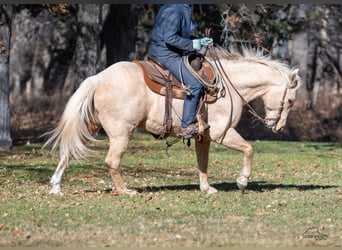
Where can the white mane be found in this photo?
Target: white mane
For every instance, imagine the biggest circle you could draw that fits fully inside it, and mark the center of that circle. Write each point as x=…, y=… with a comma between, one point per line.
x=253, y=55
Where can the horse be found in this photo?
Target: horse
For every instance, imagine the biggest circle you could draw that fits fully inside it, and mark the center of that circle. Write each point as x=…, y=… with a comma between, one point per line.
x=118, y=101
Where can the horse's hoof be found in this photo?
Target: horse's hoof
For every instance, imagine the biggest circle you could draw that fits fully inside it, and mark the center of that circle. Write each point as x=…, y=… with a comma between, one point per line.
x=56, y=189
x=124, y=191
x=131, y=192
x=209, y=190
x=242, y=183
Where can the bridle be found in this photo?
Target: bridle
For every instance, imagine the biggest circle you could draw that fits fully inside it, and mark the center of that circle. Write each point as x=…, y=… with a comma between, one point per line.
x=226, y=80
x=279, y=112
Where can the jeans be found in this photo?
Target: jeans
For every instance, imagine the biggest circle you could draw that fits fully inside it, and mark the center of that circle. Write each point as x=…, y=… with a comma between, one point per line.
x=190, y=101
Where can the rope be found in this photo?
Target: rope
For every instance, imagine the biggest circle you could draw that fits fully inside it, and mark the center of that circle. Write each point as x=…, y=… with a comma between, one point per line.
x=212, y=83
x=219, y=68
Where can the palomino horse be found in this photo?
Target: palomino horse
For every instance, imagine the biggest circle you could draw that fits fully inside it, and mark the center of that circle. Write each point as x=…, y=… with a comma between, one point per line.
x=118, y=100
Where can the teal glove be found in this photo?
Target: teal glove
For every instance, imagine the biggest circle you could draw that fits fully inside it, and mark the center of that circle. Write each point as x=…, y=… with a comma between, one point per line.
x=205, y=41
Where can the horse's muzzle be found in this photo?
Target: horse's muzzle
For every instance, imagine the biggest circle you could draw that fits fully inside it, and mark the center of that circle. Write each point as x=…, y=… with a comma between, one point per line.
x=275, y=130
x=272, y=123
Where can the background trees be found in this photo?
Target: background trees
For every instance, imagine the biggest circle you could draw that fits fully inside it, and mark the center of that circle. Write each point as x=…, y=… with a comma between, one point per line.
x=5, y=36
x=54, y=47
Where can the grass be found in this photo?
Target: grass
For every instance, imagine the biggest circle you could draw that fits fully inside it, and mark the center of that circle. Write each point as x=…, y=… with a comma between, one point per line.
x=294, y=186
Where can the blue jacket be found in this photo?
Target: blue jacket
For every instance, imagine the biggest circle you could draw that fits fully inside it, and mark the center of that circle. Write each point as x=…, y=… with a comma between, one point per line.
x=171, y=32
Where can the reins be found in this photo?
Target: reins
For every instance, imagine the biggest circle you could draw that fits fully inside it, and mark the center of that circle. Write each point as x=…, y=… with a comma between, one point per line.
x=224, y=76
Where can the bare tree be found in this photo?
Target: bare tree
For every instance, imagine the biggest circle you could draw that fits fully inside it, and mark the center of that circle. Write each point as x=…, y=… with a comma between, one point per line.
x=119, y=33
x=5, y=37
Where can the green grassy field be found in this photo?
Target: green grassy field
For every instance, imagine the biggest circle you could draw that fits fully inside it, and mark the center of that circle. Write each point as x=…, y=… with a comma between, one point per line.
x=294, y=196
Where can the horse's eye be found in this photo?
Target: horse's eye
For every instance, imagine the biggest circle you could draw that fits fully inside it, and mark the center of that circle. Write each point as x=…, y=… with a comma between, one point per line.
x=291, y=102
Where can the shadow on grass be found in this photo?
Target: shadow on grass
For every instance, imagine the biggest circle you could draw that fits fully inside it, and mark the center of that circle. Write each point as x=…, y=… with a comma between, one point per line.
x=43, y=174
x=261, y=186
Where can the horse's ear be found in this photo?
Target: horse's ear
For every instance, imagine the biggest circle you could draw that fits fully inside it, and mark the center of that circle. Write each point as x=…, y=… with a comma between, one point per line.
x=294, y=78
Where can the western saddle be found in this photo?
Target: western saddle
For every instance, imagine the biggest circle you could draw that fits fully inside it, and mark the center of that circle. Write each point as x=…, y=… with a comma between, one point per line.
x=162, y=82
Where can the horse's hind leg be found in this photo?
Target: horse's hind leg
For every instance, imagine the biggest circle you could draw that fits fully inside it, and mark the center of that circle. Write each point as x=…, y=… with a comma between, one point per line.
x=57, y=176
x=118, y=146
x=63, y=164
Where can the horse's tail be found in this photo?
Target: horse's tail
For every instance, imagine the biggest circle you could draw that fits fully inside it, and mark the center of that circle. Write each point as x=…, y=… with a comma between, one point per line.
x=78, y=117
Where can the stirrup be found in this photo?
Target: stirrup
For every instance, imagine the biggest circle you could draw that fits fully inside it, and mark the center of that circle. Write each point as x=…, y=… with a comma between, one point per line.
x=189, y=132
x=192, y=130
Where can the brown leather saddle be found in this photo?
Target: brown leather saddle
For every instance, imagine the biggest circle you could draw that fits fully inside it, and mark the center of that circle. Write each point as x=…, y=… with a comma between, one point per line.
x=161, y=81
x=157, y=77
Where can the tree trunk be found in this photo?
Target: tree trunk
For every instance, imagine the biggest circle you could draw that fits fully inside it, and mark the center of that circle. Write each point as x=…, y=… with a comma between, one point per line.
x=87, y=55
x=119, y=33
x=5, y=35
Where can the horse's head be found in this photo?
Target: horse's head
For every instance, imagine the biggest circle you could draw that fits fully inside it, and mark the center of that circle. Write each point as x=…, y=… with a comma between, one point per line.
x=277, y=84
x=279, y=101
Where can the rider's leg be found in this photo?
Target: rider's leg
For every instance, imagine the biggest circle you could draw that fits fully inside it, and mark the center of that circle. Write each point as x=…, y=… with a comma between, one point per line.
x=191, y=100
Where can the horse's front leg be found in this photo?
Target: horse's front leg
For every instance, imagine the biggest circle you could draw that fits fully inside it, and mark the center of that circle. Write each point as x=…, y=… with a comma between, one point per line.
x=234, y=140
x=202, y=154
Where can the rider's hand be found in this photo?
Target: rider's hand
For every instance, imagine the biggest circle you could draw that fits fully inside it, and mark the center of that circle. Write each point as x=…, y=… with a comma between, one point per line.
x=205, y=41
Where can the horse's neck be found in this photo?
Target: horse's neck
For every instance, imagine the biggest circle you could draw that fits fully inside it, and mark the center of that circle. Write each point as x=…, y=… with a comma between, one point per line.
x=252, y=80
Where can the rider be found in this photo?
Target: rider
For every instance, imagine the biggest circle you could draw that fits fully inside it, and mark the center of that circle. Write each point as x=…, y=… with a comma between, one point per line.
x=170, y=41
